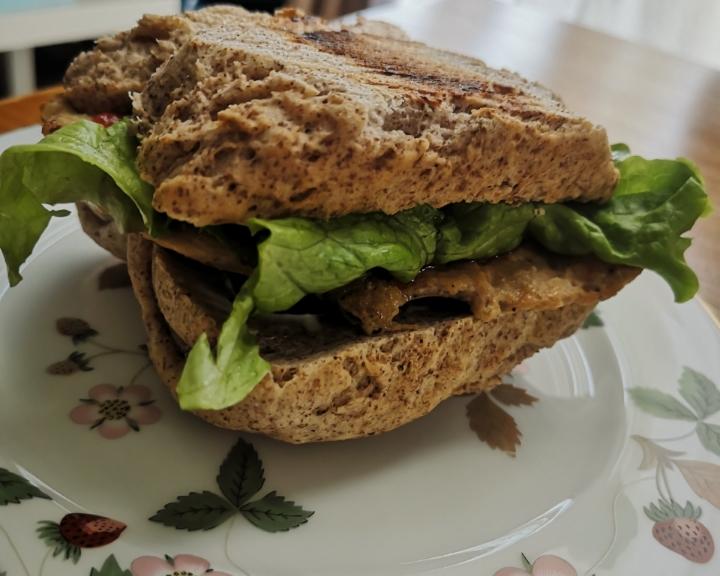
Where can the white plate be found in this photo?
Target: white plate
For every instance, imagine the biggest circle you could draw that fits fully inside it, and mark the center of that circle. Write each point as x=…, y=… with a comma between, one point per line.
x=427, y=498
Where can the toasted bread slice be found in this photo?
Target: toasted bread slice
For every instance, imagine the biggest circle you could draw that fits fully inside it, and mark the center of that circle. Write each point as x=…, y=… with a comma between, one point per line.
x=254, y=119
x=257, y=115
x=101, y=79
x=341, y=384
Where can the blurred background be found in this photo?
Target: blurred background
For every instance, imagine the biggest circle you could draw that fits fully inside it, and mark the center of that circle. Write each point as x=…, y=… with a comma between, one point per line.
x=38, y=38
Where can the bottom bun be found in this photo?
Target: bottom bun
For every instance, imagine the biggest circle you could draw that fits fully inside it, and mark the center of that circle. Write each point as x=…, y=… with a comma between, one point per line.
x=368, y=384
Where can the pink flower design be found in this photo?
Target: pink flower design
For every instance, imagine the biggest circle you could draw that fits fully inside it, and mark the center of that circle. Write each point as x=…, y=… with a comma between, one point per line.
x=547, y=565
x=115, y=410
x=184, y=564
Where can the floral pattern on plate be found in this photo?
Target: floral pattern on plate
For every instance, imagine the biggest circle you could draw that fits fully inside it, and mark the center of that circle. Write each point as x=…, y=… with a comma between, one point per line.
x=677, y=467
x=81, y=332
x=116, y=410
x=679, y=527
x=547, y=565
x=77, y=531
x=184, y=564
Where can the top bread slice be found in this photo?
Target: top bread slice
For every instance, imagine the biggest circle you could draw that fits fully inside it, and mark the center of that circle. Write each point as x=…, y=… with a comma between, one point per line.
x=245, y=114
x=250, y=119
x=101, y=79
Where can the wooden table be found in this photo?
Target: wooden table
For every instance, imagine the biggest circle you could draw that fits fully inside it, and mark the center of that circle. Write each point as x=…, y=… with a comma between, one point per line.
x=658, y=104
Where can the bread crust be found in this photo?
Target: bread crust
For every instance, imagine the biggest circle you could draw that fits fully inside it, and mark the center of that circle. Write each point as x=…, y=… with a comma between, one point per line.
x=101, y=79
x=252, y=120
x=254, y=115
x=370, y=384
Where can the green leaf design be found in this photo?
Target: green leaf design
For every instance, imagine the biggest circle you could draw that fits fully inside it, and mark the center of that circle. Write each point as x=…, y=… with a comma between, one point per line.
x=654, y=513
x=14, y=489
x=593, y=320
x=81, y=360
x=700, y=392
x=690, y=511
x=241, y=474
x=195, y=511
x=665, y=510
x=49, y=532
x=526, y=563
x=709, y=435
x=273, y=513
x=110, y=568
x=660, y=404
x=677, y=509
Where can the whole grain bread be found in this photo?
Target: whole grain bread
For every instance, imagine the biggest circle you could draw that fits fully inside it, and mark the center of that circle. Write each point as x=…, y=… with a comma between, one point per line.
x=101, y=79
x=255, y=115
x=58, y=112
x=257, y=120
x=361, y=385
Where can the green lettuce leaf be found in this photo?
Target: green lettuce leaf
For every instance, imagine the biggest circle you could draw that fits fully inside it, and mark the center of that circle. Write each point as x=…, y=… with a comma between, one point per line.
x=302, y=256
x=654, y=203
x=214, y=380
x=296, y=257
x=80, y=162
x=481, y=230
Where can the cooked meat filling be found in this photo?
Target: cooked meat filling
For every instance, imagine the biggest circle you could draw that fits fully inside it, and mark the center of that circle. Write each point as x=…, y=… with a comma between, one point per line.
x=195, y=299
x=524, y=279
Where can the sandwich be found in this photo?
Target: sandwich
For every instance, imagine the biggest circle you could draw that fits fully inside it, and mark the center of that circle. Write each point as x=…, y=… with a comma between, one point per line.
x=331, y=229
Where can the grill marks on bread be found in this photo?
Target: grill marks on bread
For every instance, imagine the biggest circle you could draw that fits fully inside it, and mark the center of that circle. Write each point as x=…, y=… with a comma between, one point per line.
x=275, y=116
x=256, y=115
x=100, y=80
x=432, y=73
